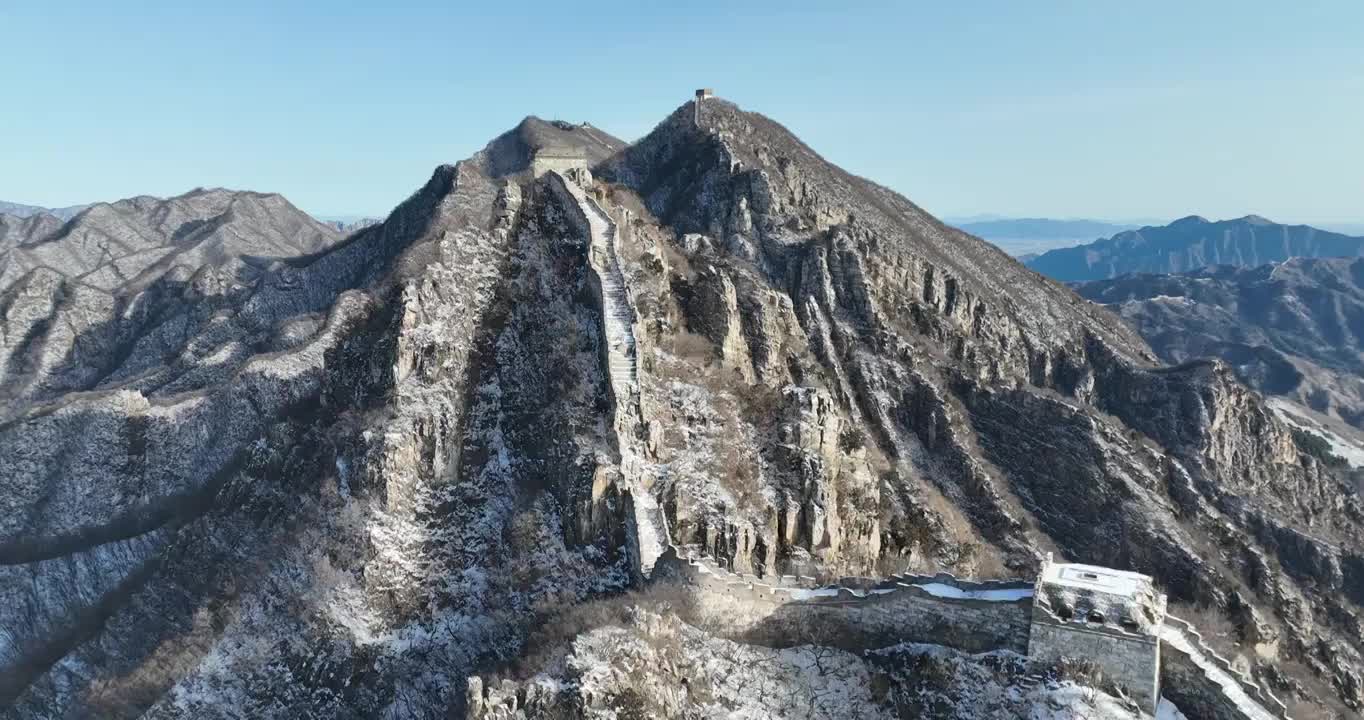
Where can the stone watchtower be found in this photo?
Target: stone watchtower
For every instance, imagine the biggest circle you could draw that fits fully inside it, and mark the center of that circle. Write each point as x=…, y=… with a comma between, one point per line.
x=701, y=94
x=1107, y=617
x=560, y=159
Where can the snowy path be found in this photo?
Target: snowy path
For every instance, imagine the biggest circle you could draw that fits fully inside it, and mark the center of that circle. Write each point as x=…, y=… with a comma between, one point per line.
x=618, y=318
x=617, y=315
x=1231, y=687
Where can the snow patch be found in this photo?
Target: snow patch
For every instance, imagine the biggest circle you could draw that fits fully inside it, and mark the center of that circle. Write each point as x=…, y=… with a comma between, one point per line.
x=943, y=590
x=1351, y=451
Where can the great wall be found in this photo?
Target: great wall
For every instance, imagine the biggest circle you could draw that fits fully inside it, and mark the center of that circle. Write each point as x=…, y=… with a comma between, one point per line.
x=1120, y=626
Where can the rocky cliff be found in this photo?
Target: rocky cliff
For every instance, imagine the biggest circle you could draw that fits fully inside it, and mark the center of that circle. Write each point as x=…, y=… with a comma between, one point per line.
x=344, y=480
x=1292, y=329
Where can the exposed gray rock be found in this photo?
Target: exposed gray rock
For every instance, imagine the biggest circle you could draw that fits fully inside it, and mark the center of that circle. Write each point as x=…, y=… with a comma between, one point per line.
x=1294, y=329
x=341, y=481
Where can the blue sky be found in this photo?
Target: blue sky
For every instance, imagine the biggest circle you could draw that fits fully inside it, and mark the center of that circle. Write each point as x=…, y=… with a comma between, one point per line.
x=1072, y=109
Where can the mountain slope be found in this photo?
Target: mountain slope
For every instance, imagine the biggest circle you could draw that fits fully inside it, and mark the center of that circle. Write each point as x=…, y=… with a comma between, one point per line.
x=109, y=295
x=1191, y=243
x=1292, y=329
x=397, y=459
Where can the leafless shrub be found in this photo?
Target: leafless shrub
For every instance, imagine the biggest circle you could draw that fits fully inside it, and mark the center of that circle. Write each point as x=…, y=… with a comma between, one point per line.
x=1080, y=672
x=558, y=627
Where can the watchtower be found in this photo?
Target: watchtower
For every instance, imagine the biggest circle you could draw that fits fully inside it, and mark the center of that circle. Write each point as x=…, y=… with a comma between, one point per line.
x=1110, y=618
x=560, y=159
x=701, y=94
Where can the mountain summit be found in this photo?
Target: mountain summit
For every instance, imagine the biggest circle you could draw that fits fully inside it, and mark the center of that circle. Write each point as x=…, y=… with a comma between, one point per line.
x=447, y=445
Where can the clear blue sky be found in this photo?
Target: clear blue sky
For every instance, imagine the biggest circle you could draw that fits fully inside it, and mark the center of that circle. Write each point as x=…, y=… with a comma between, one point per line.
x=1094, y=109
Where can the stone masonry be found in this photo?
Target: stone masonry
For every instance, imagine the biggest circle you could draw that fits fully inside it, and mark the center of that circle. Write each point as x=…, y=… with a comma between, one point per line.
x=1107, y=617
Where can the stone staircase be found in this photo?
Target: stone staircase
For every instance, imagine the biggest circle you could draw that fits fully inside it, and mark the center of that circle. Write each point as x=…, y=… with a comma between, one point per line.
x=618, y=320
x=618, y=317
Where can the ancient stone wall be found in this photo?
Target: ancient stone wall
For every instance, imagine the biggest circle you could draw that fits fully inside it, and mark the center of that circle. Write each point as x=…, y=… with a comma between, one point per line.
x=542, y=164
x=1130, y=660
x=1204, y=684
x=862, y=614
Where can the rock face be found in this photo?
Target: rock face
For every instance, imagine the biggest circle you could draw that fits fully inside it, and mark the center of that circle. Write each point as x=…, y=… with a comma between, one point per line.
x=1191, y=243
x=341, y=481
x=1294, y=329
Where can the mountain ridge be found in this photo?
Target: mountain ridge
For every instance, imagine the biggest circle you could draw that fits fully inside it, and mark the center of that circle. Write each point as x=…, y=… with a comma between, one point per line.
x=1292, y=328
x=387, y=462
x=1192, y=242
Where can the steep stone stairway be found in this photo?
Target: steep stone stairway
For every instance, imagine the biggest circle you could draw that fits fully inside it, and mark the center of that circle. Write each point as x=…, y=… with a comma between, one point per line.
x=618, y=318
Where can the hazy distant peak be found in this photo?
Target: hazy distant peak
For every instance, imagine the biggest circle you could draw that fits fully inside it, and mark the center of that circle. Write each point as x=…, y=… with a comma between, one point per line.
x=1191, y=243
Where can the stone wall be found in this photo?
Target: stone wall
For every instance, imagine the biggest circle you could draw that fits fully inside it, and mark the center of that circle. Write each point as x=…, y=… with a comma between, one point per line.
x=1129, y=660
x=860, y=614
x=542, y=164
x=1203, y=684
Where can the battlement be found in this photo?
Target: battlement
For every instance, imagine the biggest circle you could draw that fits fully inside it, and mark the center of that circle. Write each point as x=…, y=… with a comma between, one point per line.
x=1098, y=598
x=1204, y=683
x=1108, y=617
x=859, y=614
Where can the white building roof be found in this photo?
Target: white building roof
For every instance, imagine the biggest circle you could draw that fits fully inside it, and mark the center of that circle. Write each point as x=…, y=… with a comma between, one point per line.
x=1095, y=579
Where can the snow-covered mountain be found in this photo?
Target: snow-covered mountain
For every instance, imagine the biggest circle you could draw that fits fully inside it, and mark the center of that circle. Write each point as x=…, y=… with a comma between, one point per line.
x=255, y=469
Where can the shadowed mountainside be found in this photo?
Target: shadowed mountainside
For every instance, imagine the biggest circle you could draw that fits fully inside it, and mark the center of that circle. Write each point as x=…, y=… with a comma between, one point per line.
x=1293, y=329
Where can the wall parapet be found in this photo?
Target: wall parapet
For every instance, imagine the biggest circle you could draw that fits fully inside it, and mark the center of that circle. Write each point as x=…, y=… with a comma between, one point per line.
x=937, y=609
x=800, y=588
x=1181, y=640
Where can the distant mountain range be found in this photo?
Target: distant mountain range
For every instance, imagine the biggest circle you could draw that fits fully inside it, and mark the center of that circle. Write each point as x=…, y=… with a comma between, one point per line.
x=1020, y=236
x=23, y=211
x=133, y=244
x=344, y=224
x=1191, y=243
x=1293, y=329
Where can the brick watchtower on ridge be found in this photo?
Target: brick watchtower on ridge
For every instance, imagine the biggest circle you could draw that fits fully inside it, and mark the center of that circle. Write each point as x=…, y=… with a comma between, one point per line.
x=1108, y=617
x=701, y=94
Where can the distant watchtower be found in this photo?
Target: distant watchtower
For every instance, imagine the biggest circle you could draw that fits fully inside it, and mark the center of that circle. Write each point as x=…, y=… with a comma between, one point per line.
x=701, y=94
x=1108, y=617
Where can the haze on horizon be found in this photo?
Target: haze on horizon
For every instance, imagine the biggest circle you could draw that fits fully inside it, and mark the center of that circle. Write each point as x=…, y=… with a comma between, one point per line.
x=1161, y=110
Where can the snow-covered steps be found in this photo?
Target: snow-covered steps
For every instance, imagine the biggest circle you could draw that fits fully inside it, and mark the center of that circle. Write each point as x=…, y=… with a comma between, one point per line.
x=618, y=320
x=1183, y=648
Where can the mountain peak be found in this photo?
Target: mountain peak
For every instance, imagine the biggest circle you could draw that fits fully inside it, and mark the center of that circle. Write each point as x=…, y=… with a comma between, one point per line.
x=512, y=151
